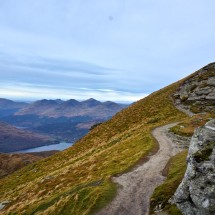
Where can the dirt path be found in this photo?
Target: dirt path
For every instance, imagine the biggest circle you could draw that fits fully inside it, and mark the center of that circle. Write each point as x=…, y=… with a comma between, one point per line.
x=137, y=186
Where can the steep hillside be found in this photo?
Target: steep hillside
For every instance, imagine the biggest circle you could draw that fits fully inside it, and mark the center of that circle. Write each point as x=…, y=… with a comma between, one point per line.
x=14, y=139
x=77, y=180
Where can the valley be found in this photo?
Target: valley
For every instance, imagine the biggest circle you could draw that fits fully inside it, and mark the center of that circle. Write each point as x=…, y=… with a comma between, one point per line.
x=61, y=121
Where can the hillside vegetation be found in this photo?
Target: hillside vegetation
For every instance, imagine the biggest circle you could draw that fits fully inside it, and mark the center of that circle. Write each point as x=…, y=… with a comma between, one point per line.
x=77, y=180
x=9, y=163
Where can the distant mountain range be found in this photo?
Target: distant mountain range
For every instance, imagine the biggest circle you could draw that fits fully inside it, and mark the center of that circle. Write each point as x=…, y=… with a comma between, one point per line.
x=71, y=108
x=61, y=120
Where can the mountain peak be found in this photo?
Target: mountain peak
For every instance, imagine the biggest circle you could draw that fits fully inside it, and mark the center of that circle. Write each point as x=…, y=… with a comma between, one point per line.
x=92, y=102
x=71, y=102
x=91, y=99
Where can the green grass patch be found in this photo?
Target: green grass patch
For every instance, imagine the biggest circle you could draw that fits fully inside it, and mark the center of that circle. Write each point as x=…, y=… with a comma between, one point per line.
x=175, y=170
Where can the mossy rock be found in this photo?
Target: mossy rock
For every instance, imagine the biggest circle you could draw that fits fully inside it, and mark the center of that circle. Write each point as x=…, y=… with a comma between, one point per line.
x=204, y=155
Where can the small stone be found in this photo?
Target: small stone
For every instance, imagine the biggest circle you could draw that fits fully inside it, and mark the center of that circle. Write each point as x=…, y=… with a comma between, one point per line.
x=4, y=204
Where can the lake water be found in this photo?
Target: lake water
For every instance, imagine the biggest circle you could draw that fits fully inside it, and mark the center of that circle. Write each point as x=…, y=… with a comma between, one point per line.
x=60, y=147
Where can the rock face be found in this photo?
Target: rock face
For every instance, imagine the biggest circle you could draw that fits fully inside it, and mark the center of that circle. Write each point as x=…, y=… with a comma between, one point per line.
x=197, y=93
x=196, y=193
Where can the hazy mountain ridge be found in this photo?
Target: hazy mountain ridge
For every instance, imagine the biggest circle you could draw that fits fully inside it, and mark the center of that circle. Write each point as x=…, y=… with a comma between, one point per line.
x=6, y=103
x=65, y=120
x=71, y=108
x=9, y=107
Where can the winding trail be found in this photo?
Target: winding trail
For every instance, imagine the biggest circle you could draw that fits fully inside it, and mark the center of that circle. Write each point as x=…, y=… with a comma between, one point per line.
x=137, y=186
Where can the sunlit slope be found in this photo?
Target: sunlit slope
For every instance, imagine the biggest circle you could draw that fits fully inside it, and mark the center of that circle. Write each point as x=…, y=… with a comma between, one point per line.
x=76, y=181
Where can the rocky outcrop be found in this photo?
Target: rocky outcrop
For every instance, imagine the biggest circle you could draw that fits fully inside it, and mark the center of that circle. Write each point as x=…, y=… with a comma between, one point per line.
x=197, y=93
x=196, y=193
x=181, y=142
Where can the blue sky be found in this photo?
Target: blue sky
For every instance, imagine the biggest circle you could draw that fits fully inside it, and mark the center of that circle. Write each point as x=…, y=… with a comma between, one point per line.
x=118, y=50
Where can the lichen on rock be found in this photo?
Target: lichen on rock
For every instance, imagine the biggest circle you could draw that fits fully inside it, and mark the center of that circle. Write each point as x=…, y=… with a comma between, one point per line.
x=196, y=193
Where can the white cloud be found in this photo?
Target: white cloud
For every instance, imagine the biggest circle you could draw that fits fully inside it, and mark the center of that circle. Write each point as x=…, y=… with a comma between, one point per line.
x=149, y=44
x=29, y=92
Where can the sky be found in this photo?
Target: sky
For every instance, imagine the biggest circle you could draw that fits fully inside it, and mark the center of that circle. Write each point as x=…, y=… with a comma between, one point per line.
x=119, y=50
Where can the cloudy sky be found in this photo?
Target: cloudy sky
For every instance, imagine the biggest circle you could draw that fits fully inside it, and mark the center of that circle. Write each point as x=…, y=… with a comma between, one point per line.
x=118, y=50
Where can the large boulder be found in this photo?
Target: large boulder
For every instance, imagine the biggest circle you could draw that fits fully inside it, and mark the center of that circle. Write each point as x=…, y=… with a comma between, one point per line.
x=196, y=193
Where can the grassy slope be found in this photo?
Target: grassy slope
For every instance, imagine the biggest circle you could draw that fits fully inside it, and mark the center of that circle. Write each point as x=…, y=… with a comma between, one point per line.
x=77, y=180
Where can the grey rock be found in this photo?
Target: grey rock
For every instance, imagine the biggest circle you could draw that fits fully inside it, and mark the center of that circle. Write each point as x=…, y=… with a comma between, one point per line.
x=211, y=82
x=196, y=193
x=204, y=91
x=47, y=178
x=179, y=141
x=4, y=204
x=198, y=91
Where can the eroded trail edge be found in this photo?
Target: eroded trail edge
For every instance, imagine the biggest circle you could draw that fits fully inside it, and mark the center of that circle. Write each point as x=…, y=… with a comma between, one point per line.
x=137, y=186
